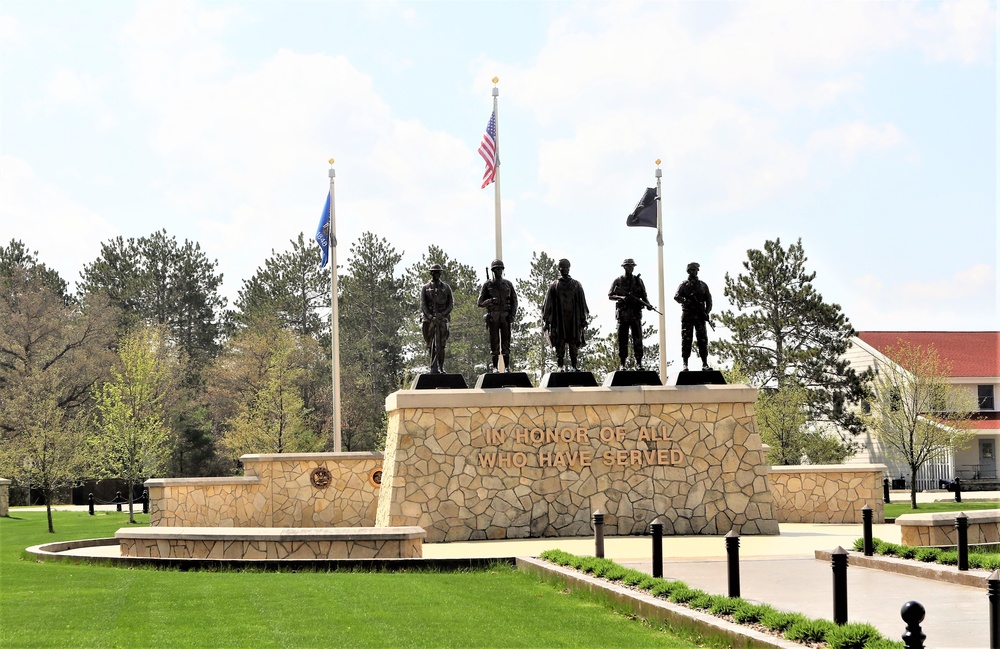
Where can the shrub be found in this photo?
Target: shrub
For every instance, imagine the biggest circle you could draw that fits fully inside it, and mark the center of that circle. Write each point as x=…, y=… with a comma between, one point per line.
x=851, y=636
x=722, y=605
x=927, y=555
x=859, y=545
x=884, y=643
x=809, y=630
x=702, y=601
x=907, y=552
x=647, y=582
x=682, y=595
x=889, y=549
x=615, y=572
x=747, y=613
x=779, y=621
x=633, y=577
x=949, y=558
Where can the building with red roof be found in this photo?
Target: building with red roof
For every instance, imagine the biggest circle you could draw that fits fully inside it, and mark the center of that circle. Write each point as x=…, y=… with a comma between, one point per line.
x=974, y=357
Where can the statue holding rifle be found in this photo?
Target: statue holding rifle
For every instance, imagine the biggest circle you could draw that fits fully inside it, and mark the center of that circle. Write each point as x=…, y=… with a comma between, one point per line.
x=629, y=293
x=436, y=303
x=500, y=301
x=696, y=304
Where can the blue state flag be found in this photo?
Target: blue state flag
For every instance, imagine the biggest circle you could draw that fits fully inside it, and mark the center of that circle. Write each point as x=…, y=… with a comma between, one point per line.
x=323, y=233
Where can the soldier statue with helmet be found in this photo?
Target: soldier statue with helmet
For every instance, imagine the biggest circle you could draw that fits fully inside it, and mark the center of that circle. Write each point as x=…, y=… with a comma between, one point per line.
x=436, y=303
x=629, y=293
x=500, y=301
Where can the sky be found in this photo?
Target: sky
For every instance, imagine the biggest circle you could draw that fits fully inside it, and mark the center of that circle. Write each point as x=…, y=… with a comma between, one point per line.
x=867, y=130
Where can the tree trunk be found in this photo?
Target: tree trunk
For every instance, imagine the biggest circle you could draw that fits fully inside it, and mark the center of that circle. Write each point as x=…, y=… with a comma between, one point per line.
x=913, y=487
x=48, y=508
x=131, y=513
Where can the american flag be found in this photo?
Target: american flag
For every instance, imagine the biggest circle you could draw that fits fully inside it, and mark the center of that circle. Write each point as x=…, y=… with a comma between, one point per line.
x=488, y=149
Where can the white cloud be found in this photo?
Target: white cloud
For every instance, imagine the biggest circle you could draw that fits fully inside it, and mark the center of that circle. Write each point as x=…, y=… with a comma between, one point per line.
x=10, y=29
x=81, y=91
x=36, y=211
x=853, y=139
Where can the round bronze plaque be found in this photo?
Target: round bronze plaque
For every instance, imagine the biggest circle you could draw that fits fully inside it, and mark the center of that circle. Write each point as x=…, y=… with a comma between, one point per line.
x=320, y=477
x=375, y=477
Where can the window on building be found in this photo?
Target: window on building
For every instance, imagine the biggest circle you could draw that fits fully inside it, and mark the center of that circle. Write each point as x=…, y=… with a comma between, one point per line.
x=986, y=397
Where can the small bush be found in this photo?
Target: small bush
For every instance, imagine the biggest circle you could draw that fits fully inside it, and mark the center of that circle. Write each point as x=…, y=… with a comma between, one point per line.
x=779, y=621
x=809, y=630
x=851, y=636
x=859, y=545
x=615, y=573
x=888, y=549
x=907, y=552
x=663, y=588
x=633, y=577
x=884, y=643
x=927, y=555
x=683, y=595
x=747, y=613
x=949, y=558
x=703, y=601
x=647, y=582
x=722, y=605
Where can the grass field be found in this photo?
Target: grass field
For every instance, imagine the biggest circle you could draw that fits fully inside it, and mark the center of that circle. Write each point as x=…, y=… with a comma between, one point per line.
x=892, y=510
x=62, y=604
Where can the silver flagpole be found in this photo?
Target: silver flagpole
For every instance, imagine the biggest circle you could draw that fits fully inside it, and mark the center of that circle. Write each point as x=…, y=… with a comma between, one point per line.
x=659, y=244
x=334, y=316
x=496, y=182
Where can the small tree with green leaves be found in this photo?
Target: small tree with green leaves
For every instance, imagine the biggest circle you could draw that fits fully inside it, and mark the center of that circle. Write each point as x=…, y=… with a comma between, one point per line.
x=916, y=412
x=132, y=439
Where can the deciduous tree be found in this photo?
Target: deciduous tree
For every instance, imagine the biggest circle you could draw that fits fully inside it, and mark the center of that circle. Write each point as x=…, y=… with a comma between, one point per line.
x=916, y=412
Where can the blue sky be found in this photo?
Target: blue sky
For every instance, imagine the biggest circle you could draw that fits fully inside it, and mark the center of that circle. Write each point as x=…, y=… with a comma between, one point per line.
x=866, y=129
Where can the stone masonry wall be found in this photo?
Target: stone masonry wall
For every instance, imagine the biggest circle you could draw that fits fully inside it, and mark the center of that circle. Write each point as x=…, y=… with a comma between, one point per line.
x=517, y=463
x=275, y=491
x=922, y=530
x=4, y=497
x=827, y=493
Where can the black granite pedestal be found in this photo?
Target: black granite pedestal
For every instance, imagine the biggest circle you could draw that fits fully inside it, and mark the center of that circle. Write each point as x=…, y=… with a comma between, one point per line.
x=569, y=380
x=439, y=381
x=503, y=380
x=620, y=378
x=704, y=377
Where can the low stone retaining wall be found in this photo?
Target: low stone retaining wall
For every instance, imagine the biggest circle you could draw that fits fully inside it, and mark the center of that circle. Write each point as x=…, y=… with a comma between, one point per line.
x=827, y=493
x=924, y=530
x=277, y=490
x=4, y=497
x=272, y=544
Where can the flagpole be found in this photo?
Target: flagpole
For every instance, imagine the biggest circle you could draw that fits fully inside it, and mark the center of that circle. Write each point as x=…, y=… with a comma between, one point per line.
x=334, y=317
x=659, y=244
x=496, y=182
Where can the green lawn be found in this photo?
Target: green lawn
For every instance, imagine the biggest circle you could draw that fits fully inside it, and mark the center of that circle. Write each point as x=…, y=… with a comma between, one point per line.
x=78, y=605
x=892, y=510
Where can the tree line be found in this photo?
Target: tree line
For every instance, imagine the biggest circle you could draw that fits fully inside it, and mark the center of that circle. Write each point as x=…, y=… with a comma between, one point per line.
x=144, y=369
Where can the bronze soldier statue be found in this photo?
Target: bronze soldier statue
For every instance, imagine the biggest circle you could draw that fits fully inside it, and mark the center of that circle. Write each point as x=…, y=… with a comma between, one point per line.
x=500, y=301
x=565, y=314
x=696, y=304
x=436, y=303
x=629, y=293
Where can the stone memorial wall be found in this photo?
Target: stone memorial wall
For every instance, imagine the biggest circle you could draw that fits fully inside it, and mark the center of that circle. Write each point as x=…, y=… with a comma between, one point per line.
x=4, y=497
x=518, y=463
x=835, y=493
x=276, y=490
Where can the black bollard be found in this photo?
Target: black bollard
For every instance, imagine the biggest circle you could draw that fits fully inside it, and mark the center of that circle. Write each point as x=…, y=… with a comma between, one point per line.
x=598, y=534
x=993, y=585
x=962, y=525
x=885, y=489
x=958, y=490
x=656, y=527
x=118, y=500
x=913, y=614
x=145, y=501
x=90, y=504
x=733, y=560
x=839, y=564
x=866, y=519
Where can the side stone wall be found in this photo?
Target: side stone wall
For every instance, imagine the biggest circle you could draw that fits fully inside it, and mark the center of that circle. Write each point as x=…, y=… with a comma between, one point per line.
x=830, y=493
x=276, y=490
x=4, y=497
x=923, y=530
x=518, y=463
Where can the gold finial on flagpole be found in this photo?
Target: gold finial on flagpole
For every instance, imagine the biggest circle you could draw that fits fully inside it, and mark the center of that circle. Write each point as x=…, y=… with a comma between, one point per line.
x=657, y=162
x=331, y=162
x=495, y=80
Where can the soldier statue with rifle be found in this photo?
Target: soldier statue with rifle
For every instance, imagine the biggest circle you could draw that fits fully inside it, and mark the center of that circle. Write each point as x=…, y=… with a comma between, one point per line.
x=500, y=301
x=696, y=304
x=436, y=303
x=629, y=293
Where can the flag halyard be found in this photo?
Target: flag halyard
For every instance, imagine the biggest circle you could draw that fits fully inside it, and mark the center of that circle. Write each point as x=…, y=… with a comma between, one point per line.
x=488, y=150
